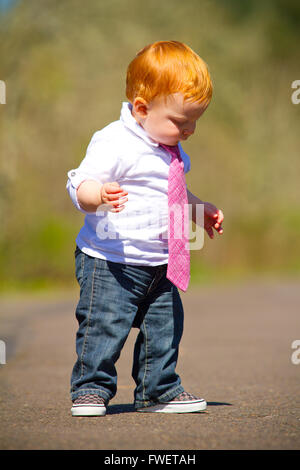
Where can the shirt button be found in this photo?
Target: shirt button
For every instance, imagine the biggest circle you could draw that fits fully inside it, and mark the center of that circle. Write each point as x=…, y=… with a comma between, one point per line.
x=73, y=173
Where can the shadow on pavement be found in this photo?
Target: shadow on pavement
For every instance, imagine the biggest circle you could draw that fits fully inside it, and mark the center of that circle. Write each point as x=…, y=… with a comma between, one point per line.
x=129, y=408
x=218, y=403
x=122, y=408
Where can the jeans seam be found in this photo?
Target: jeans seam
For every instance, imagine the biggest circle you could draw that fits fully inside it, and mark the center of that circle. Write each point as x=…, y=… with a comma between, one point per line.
x=82, y=264
x=146, y=357
x=79, y=272
x=88, y=322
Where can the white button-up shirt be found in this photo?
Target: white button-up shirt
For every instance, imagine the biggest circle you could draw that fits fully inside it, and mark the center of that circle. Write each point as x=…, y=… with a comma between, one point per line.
x=123, y=152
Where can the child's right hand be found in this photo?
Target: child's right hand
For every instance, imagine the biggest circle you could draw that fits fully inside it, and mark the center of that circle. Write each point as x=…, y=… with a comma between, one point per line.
x=113, y=195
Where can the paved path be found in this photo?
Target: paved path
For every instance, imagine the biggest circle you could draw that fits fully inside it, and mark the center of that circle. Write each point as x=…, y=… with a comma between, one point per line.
x=236, y=353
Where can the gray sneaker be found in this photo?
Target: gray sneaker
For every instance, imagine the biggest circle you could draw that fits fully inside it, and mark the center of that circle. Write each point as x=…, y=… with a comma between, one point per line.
x=89, y=405
x=183, y=403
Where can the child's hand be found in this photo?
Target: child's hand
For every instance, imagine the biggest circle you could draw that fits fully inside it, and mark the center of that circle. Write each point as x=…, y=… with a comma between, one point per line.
x=113, y=195
x=213, y=218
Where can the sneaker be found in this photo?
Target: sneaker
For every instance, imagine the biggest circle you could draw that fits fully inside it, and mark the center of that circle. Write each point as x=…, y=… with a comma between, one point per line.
x=183, y=403
x=89, y=405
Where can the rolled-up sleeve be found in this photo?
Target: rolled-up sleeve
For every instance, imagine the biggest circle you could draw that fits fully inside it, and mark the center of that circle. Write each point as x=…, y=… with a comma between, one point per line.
x=72, y=190
x=100, y=164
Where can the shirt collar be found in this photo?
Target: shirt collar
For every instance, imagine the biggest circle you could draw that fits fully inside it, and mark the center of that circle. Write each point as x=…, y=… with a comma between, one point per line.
x=129, y=122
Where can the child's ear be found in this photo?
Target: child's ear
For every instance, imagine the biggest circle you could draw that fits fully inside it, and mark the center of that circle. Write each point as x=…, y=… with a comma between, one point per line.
x=140, y=107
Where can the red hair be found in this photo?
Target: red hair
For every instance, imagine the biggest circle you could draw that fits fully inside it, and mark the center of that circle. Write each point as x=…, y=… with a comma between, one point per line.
x=167, y=67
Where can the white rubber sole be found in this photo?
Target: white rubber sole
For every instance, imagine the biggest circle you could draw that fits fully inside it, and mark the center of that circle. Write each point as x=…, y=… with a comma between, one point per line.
x=176, y=407
x=88, y=410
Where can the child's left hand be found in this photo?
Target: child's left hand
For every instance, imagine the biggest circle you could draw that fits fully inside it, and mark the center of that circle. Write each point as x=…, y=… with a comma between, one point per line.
x=213, y=218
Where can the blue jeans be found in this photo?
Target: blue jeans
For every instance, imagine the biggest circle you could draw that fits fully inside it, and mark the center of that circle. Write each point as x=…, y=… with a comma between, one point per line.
x=115, y=297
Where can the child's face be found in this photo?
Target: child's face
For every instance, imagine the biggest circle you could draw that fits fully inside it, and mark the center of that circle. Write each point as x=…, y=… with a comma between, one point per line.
x=168, y=120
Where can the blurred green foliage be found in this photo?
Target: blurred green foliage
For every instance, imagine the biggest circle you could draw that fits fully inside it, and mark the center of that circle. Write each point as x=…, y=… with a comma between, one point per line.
x=64, y=65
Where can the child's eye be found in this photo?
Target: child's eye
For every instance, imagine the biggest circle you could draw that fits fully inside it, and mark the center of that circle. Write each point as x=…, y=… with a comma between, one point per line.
x=177, y=122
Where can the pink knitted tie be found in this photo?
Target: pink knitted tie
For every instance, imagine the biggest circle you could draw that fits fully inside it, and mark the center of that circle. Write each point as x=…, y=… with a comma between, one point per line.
x=178, y=271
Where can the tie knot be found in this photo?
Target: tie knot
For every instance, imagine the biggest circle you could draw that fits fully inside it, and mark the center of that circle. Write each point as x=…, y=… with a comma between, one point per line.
x=172, y=149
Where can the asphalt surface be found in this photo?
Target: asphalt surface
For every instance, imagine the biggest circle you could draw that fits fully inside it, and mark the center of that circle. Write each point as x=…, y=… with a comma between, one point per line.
x=236, y=353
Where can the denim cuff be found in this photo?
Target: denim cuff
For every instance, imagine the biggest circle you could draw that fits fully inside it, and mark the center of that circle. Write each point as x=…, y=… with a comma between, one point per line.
x=167, y=396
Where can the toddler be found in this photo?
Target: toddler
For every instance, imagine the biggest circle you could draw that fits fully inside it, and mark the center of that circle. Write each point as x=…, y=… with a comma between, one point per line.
x=130, y=263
